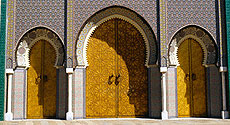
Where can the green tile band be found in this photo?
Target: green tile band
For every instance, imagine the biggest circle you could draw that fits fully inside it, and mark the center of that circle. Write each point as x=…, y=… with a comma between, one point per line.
x=2, y=57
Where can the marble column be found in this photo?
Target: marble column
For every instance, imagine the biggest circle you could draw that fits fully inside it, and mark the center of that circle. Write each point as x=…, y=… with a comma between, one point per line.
x=224, y=112
x=69, y=114
x=9, y=114
x=164, y=113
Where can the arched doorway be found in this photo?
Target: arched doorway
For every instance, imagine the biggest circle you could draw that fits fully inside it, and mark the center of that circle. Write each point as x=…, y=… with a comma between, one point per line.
x=41, y=81
x=191, y=87
x=116, y=78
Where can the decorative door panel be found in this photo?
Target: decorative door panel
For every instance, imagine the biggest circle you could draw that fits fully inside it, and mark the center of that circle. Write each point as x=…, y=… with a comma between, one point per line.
x=101, y=55
x=183, y=86
x=49, y=80
x=133, y=85
x=198, y=80
x=41, y=88
x=116, y=57
x=34, y=100
x=191, y=89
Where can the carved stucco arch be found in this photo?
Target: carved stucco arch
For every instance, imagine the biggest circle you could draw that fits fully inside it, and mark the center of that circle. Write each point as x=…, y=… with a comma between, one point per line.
x=30, y=38
x=126, y=15
x=199, y=34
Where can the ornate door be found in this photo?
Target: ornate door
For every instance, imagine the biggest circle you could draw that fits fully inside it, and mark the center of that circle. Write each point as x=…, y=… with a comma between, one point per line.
x=41, y=81
x=191, y=88
x=116, y=78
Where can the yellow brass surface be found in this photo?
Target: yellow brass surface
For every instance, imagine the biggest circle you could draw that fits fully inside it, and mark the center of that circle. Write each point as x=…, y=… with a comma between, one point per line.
x=133, y=86
x=41, y=82
x=191, y=88
x=199, y=86
x=116, y=78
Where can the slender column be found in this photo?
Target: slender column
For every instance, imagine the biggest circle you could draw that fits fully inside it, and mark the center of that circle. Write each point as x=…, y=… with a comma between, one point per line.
x=9, y=114
x=164, y=113
x=69, y=114
x=224, y=113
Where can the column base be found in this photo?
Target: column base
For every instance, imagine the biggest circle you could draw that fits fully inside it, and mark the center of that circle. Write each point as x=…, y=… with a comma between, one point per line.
x=225, y=114
x=164, y=115
x=69, y=116
x=9, y=116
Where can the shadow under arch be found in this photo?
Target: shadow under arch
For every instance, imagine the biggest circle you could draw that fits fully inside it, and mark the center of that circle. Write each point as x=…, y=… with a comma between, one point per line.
x=202, y=36
x=115, y=12
x=32, y=36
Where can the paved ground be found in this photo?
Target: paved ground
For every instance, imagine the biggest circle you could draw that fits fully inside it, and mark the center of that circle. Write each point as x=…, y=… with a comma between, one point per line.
x=190, y=121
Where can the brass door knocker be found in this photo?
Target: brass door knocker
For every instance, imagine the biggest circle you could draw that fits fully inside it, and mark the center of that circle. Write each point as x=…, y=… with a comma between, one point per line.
x=187, y=77
x=118, y=79
x=38, y=79
x=193, y=77
x=110, y=79
x=45, y=78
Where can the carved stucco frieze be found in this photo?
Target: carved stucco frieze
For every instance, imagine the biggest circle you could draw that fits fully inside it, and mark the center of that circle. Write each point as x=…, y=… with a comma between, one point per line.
x=121, y=13
x=201, y=36
x=30, y=38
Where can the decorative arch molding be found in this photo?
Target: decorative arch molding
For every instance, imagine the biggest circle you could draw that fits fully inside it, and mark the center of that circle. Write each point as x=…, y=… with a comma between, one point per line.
x=121, y=13
x=205, y=40
x=30, y=38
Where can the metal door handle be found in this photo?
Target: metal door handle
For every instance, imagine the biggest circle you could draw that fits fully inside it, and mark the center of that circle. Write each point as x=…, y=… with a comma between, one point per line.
x=187, y=77
x=38, y=79
x=45, y=78
x=118, y=79
x=110, y=79
x=193, y=77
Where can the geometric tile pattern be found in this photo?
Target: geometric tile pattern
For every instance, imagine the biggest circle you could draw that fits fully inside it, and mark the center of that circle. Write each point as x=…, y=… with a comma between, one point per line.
x=172, y=92
x=124, y=14
x=10, y=34
x=24, y=15
x=191, y=12
x=201, y=36
x=70, y=34
x=31, y=13
x=83, y=10
x=19, y=94
x=163, y=33
x=78, y=93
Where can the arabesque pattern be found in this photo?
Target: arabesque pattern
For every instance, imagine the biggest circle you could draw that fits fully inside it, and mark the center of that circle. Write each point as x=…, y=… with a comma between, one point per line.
x=116, y=78
x=41, y=97
x=191, y=89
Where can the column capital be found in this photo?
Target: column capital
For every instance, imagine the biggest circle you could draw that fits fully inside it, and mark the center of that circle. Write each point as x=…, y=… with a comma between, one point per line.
x=223, y=69
x=69, y=70
x=163, y=69
x=9, y=71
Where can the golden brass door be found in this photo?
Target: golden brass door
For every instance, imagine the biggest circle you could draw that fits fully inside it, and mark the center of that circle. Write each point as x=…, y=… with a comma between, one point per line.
x=191, y=90
x=116, y=78
x=41, y=82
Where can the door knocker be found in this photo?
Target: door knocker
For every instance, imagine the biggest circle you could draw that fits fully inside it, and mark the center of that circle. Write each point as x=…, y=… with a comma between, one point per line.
x=38, y=79
x=110, y=79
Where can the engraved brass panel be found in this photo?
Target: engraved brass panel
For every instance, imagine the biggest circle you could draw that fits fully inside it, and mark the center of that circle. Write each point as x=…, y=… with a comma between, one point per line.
x=191, y=88
x=100, y=95
x=116, y=78
x=133, y=86
x=41, y=79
